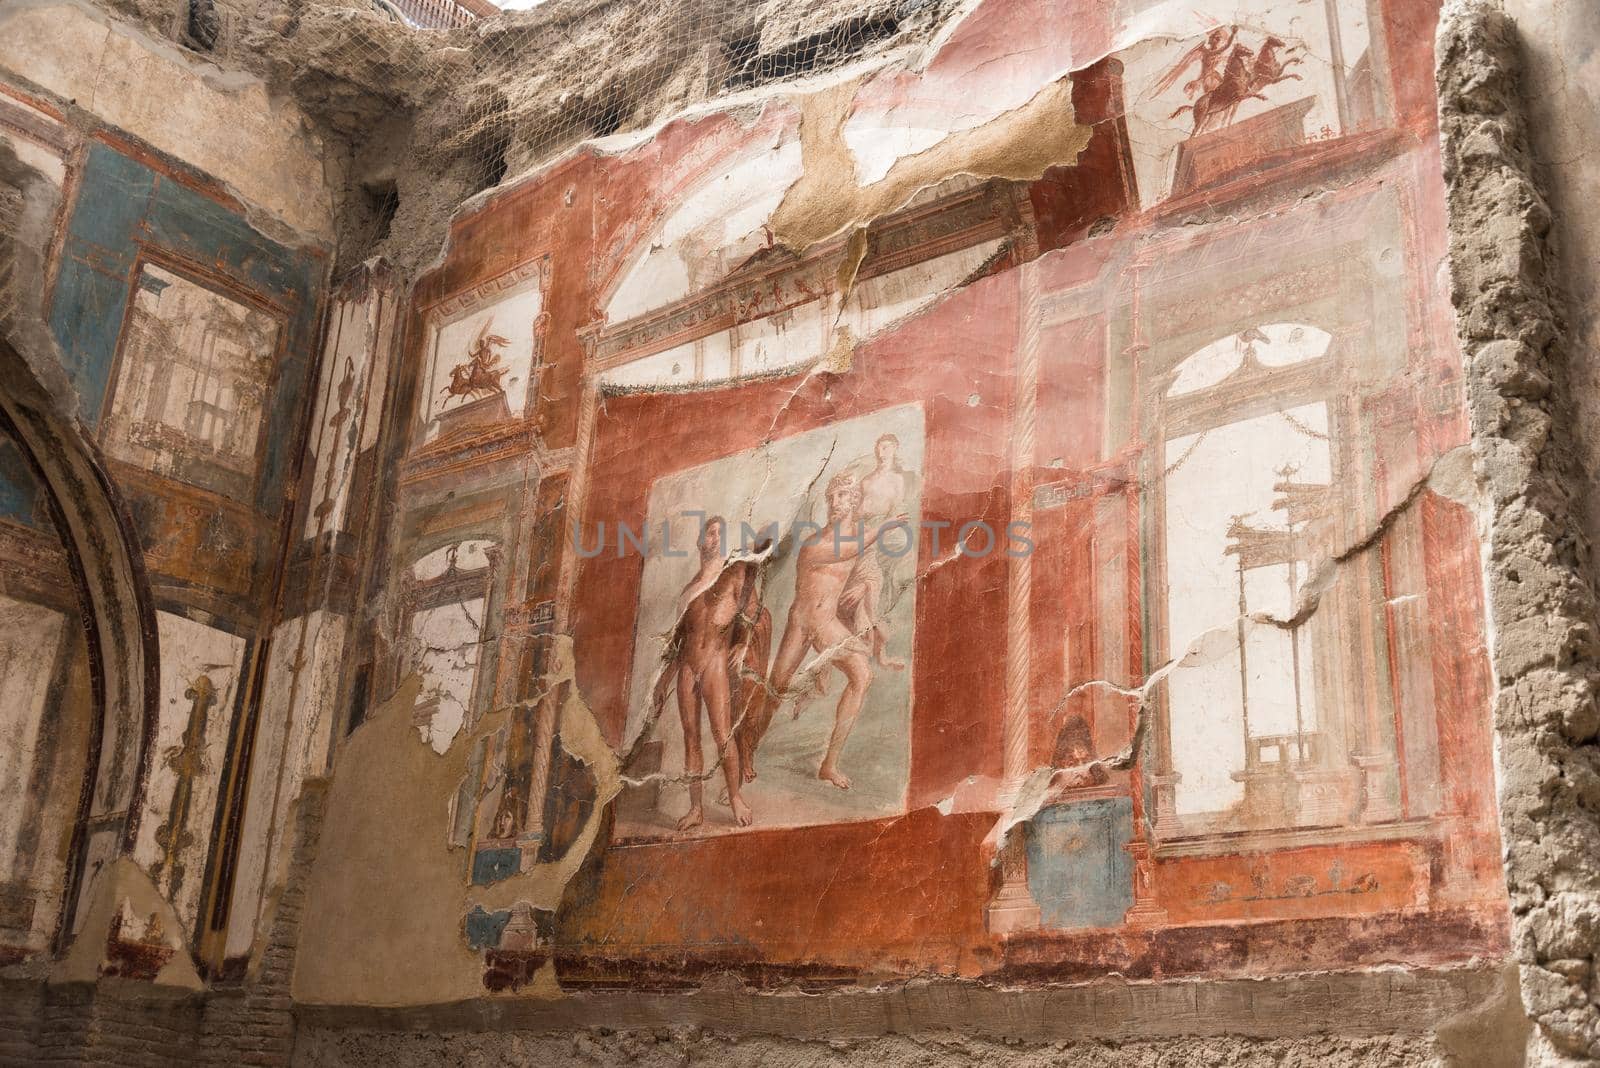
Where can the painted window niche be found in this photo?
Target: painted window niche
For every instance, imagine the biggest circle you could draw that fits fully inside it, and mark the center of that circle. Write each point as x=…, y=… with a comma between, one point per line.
x=1286, y=712
x=449, y=637
x=1248, y=501
x=192, y=375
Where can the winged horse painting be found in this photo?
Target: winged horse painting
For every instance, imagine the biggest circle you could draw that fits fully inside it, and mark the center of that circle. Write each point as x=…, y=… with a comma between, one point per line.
x=480, y=373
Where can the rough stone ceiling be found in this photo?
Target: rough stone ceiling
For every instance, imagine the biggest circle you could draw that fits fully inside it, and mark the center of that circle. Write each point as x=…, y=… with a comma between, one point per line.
x=432, y=117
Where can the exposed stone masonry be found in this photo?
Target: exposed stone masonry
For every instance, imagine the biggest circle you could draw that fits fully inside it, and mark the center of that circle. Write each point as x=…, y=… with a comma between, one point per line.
x=130, y=1024
x=1543, y=639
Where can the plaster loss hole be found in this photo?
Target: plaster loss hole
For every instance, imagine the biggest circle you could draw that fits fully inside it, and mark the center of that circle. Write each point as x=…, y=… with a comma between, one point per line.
x=494, y=167
x=382, y=202
x=368, y=219
x=202, y=25
x=610, y=118
x=748, y=66
x=488, y=142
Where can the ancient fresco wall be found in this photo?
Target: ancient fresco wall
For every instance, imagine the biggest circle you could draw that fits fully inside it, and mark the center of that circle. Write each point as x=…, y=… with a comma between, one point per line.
x=44, y=720
x=183, y=337
x=967, y=518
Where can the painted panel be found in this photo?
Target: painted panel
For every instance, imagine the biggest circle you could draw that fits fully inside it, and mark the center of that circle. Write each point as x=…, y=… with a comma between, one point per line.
x=1244, y=85
x=823, y=631
x=126, y=205
x=481, y=370
x=1078, y=869
x=1224, y=708
x=192, y=376
x=200, y=680
x=30, y=638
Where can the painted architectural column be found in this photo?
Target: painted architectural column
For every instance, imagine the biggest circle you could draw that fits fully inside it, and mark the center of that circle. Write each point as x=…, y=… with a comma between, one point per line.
x=1145, y=911
x=1013, y=908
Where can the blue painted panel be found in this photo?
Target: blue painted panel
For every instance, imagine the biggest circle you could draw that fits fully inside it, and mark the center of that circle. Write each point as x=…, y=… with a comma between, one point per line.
x=1078, y=871
x=485, y=929
x=86, y=318
x=114, y=196
x=492, y=865
x=124, y=205
x=19, y=492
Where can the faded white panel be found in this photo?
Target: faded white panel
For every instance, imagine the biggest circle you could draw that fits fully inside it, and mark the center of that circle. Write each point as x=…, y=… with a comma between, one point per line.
x=292, y=740
x=385, y=320
x=349, y=403
x=30, y=636
x=714, y=228
x=677, y=366
x=799, y=336
x=200, y=668
x=788, y=340
x=879, y=302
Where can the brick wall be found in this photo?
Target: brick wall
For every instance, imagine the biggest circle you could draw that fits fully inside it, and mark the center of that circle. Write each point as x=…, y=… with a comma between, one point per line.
x=132, y=1024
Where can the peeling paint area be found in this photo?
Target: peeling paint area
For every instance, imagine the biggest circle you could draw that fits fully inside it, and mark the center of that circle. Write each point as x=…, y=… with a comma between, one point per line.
x=1005, y=514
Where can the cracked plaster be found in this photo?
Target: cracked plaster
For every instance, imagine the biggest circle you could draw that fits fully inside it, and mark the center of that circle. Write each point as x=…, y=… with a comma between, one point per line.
x=1523, y=464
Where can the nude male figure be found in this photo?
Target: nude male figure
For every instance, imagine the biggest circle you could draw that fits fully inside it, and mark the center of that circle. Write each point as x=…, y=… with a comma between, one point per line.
x=882, y=491
x=707, y=662
x=822, y=567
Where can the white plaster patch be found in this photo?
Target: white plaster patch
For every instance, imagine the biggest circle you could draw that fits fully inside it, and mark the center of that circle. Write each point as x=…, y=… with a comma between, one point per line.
x=450, y=638
x=29, y=637
x=292, y=739
x=714, y=227
x=200, y=669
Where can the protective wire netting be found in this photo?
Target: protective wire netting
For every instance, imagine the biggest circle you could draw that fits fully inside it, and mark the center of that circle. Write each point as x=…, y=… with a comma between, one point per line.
x=494, y=92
